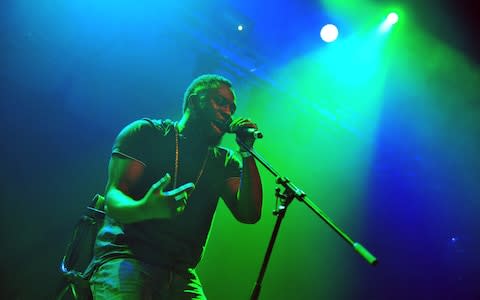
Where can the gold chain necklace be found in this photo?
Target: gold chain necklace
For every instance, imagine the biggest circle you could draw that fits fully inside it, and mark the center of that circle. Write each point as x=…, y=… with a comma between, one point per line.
x=177, y=162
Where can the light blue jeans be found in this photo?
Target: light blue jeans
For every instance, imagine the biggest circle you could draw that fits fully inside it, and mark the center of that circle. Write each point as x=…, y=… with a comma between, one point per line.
x=129, y=279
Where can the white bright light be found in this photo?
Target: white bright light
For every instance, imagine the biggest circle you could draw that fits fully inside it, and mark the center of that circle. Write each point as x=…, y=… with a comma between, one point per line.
x=390, y=20
x=240, y=27
x=329, y=33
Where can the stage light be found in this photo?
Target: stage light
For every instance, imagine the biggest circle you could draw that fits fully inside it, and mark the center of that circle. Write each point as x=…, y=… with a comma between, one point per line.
x=389, y=21
x=392, y=18
x=329, y=33
x=240, y=27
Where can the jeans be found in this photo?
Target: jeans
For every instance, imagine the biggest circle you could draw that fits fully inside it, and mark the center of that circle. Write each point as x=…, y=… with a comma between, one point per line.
x=129, y=279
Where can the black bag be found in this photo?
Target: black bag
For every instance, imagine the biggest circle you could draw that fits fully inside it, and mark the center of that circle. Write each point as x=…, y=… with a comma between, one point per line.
x=79, y=253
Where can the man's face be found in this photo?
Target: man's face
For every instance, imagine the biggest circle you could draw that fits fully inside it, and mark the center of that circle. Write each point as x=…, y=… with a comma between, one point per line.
x=216, y=106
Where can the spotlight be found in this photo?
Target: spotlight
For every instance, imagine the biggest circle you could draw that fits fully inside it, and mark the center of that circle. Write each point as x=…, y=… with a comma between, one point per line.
x=329, y=33
x=392, y=18
x=240, y=27
x=389, y=21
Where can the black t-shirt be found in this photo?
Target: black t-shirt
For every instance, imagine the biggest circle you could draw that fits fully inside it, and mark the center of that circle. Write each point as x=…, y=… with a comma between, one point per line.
x=177, y=241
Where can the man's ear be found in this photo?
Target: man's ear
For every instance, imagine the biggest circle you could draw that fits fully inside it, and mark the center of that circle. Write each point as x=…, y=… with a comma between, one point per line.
x=193, y=102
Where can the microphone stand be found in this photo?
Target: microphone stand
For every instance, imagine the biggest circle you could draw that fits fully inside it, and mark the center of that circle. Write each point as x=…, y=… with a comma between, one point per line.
x=291, y=191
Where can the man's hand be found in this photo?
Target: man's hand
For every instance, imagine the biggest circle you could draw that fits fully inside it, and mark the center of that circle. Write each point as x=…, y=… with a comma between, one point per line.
x=238, y=126
x=166, y=204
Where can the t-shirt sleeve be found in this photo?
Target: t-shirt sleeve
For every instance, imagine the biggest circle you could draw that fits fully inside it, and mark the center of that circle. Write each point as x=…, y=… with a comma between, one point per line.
x=133, y=141
x=233, y=165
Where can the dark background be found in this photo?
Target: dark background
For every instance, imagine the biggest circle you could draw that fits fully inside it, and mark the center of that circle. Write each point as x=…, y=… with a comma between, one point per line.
x=71, y=77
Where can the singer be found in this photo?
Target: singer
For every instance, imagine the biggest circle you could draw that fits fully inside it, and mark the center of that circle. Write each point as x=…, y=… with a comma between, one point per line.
x=164, y=181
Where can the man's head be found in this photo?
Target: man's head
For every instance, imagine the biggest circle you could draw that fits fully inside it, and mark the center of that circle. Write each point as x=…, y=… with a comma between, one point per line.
x=202, y=84
x=209, y=103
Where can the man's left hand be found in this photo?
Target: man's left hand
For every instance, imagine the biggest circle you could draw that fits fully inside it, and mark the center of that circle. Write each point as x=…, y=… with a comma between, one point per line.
x=240, y=126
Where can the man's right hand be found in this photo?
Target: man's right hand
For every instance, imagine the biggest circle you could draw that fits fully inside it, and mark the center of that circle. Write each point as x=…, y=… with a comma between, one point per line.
x=166, y=204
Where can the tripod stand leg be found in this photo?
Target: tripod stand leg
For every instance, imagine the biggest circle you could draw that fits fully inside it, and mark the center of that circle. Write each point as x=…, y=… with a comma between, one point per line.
x=268, y=253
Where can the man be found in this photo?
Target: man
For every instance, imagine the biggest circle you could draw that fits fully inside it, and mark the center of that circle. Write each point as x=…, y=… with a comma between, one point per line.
x=165, y=179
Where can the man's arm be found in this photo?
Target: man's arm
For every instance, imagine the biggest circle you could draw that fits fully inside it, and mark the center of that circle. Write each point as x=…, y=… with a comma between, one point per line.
x=123, y=174
x=243, y=195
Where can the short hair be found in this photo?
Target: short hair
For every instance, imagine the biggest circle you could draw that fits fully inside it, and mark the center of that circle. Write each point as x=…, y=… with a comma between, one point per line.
x=203, y=82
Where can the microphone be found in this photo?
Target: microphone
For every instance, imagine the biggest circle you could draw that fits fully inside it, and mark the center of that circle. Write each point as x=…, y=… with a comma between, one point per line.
x=243, y=131
x=247, y=131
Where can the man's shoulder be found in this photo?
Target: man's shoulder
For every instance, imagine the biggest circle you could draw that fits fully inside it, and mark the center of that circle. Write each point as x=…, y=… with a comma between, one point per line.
x=162, y=126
